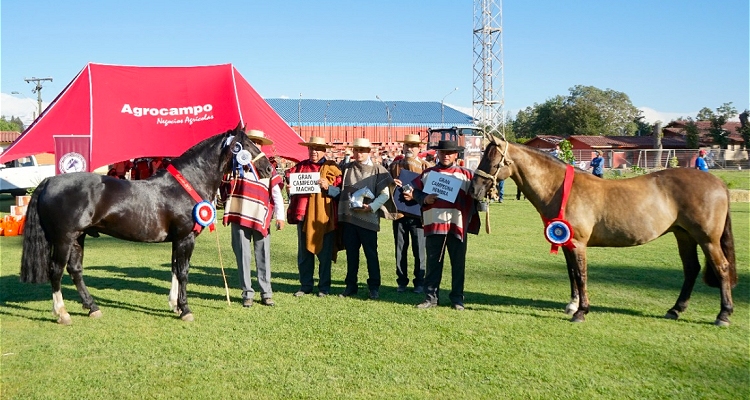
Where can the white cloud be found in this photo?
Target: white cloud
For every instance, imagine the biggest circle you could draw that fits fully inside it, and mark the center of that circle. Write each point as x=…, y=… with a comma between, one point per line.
x=21, y=107
x=651, y=116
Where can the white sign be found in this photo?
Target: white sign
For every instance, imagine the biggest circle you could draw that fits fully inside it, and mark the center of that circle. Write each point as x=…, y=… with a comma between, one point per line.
x=443, y=185
x=304, y=183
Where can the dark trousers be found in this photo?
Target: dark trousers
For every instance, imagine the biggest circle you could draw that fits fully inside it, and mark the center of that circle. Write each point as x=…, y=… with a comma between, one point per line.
x=439, y=247
x=355, y=237
x=306, y=262
x=404, y=229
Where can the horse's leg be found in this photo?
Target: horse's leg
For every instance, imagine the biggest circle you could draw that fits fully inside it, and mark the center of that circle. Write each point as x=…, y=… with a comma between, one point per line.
x=691, y=267
x=715, y=259
x=60, y=254
x=181, y=252
x=576, y=260
x=173, y=294
x=75, y=269
x=570, y=263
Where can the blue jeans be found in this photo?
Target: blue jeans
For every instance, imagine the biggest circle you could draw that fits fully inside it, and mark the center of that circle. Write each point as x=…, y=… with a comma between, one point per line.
x=500, y=190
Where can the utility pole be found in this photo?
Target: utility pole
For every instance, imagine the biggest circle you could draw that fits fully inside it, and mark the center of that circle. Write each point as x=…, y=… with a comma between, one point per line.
x=38, y=90
x=387, y=114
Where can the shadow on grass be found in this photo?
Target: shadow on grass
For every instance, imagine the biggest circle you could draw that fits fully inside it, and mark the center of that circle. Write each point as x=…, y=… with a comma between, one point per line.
x=158, y=280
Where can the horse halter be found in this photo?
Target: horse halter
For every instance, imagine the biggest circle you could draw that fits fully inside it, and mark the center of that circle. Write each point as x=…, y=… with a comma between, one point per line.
x=504, y=161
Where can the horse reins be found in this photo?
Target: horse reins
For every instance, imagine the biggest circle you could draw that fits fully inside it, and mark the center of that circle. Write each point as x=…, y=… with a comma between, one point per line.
x=493, y=178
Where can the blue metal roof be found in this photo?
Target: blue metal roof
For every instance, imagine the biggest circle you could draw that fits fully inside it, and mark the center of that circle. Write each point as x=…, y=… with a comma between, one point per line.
x=368, y=112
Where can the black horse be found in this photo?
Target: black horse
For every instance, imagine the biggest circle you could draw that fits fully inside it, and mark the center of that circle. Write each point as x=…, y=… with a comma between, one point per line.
x=66, y=208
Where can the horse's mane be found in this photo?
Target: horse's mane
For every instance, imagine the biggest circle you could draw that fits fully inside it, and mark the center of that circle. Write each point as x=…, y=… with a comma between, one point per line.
x=543, y=153
x=201, y=150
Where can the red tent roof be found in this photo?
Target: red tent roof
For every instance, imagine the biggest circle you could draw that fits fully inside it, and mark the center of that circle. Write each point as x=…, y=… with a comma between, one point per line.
x=129, y=112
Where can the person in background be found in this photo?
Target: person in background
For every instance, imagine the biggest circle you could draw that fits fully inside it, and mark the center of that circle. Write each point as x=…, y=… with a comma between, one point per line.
x=315, y=217
x=700, y=162
x=248, y=213
x=408, y=226
x=446, y=225
x=347, y=159
x=598, y=165
x=556, y=152
x=500, y=190
x=360, y=225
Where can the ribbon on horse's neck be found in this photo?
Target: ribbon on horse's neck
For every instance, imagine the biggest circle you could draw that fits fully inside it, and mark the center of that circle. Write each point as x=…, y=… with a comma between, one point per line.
x=188, y=188
x=567, y=185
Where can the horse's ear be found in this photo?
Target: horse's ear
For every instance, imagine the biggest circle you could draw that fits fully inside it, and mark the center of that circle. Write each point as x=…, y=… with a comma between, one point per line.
x=239, y=127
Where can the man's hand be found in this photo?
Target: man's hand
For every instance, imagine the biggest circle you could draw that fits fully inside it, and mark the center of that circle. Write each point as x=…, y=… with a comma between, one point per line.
x=397, y=182
x=430, y=198
x=323, y=182
x=364, y=208
x=279, y=225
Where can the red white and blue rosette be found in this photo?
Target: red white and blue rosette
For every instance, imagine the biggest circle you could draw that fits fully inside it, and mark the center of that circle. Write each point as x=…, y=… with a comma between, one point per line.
x=204, y=213
x=558, y=232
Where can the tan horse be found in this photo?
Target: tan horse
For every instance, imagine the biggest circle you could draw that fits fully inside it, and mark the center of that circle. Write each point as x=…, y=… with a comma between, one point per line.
x=692, y=204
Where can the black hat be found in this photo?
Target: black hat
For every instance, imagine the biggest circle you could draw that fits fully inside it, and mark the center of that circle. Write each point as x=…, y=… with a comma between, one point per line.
x=448, y=145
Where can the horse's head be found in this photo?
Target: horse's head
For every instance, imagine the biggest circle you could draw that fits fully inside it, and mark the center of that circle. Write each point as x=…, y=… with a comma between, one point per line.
x=235, y=145
x=494, y=166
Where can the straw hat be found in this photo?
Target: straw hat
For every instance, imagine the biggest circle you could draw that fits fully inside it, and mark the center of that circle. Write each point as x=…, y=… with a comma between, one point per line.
x=361, y=143
x=316, y=141
x=412, y=139
x=258, y=136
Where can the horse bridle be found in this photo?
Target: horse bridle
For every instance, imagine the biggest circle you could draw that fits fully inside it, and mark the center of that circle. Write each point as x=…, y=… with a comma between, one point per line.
x=504, y=161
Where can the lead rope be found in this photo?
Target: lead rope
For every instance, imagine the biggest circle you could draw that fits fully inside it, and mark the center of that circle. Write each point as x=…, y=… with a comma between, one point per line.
x=218, y=245
x=223, y=275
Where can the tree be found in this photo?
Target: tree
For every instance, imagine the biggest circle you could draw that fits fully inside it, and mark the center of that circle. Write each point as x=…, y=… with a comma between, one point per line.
x=566, y=152
x=14, y=124
x=616, y=113
x=692, y=134
x=744, y=128
x=643, y=128
x=718, y=119
x=587, y=110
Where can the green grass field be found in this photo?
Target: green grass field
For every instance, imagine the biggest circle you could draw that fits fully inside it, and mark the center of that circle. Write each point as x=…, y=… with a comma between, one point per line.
x=513, y=341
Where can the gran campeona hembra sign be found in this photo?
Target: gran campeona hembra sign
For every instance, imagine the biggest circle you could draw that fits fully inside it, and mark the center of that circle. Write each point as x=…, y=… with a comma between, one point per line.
x=191, y=113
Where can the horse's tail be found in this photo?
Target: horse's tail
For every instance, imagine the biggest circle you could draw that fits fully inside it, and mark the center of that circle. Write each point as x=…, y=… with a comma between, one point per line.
x=727, y=247
x=36, y=256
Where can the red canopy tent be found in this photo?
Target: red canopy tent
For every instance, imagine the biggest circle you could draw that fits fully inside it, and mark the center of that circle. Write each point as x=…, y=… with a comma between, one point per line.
x=125, y=112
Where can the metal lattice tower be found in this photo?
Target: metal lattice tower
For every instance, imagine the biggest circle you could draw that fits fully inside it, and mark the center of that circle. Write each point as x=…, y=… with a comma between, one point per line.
x=489, y=93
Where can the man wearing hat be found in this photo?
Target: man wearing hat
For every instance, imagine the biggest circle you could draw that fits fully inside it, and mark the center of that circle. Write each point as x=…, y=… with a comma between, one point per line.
x=598, y=165
x=247, y=212
x=700, y=162
x=360, y=224
x=315, y=217
x=407, y=225
x=446, y=225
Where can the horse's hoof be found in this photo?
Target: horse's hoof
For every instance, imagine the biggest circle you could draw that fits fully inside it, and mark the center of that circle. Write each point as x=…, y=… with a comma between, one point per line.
x=671, y=314
x=64, y=319
x=578, y=317
x=721, y=322
x=95, y=314
x=187, y=317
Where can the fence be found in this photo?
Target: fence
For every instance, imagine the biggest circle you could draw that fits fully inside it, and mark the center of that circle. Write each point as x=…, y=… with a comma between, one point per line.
x=657, y=159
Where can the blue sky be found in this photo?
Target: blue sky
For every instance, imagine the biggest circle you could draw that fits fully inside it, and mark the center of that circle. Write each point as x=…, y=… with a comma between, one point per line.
x=671, y=58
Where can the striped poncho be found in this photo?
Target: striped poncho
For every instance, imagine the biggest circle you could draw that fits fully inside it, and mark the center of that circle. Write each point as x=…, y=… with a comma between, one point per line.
x=442, y=217
x=250, y=203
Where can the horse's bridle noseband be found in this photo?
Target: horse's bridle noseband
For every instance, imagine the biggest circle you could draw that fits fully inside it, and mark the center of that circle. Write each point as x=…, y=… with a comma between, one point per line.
x=504, y=161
